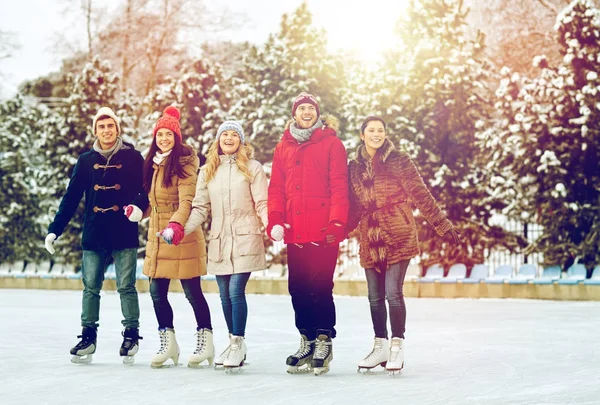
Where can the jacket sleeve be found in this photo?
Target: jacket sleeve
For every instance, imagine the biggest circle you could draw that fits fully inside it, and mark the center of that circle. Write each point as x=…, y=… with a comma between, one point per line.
x=413, y=183
x=259, y=190
x=200, y=205
x=276, y=199
x=338, y=181
x=141, y=199
x=356, y=208
x=186, y=189
x=70, y=200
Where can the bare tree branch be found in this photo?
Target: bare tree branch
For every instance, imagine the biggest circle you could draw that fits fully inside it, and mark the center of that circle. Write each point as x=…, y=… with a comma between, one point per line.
x=549, y=6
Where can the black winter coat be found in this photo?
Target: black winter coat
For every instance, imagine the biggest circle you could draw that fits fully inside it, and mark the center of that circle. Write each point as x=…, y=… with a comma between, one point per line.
x=107, y=188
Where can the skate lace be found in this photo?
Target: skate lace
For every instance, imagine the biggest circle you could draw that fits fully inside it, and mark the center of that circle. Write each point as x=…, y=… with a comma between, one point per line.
x=304, y=348
x=85, y=341
x=200, y=342
x=375, y=352
x=395, y=351
x=322, y=349
x=163, y=342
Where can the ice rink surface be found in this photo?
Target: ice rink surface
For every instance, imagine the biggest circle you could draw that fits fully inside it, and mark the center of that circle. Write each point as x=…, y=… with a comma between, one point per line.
x=457, y=352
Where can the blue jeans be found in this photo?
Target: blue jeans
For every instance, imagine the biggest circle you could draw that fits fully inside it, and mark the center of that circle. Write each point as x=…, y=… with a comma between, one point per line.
x=159, y=289
x=232, y=289
x=388, y=284
x=92, y=274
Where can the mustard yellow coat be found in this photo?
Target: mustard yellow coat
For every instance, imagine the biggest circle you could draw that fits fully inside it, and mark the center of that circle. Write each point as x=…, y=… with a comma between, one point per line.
x=174, y=204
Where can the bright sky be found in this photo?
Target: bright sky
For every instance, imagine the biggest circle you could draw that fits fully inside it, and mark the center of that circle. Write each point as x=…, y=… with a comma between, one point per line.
x=364, y=25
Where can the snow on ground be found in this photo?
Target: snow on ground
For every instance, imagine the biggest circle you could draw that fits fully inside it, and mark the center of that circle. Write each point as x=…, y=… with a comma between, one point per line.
x=457, y=352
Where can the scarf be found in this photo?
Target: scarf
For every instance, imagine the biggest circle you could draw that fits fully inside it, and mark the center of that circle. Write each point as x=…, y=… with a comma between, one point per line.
x=160, y=157
x=108, y=153
x=303, y=135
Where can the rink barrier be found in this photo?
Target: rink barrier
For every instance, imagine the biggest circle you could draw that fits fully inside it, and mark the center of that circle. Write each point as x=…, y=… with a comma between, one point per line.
x=349, y=287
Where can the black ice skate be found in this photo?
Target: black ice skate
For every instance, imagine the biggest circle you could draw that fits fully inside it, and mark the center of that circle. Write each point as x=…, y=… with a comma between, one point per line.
x=130, y=346
x=323, y=352
x=299, y=362
x=84, y=350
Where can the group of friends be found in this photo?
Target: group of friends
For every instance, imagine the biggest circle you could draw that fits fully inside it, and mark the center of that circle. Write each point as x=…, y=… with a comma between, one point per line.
x=313, y=200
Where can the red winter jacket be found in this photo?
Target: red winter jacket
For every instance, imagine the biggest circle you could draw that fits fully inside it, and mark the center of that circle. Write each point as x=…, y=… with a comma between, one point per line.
x=309, y=183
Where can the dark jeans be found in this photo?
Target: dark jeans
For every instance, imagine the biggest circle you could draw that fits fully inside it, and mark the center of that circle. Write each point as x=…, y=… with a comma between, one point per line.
x=159, y=288
x=92, y=274
x=388, y=284
x=310, y=283
x=232, y=289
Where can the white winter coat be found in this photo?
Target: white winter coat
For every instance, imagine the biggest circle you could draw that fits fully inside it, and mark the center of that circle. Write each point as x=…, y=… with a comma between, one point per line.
x=235, y=240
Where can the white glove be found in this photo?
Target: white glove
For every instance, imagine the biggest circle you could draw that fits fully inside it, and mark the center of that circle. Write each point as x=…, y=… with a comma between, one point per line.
x=50, y=238
x=277, y=233
x=133, y=213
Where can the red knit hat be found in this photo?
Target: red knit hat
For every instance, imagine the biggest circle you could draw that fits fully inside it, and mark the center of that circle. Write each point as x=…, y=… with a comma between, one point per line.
x=305, y=98
x=169, y=120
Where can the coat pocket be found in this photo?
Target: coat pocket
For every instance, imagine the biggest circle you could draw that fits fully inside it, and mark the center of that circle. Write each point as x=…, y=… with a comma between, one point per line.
x=214, y=247
x=248, y=241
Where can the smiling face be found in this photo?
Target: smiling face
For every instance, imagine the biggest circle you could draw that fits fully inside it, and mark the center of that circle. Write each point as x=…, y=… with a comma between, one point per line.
x=106, y=131
x=373, y=136
x=165, y=140
x=305, y=116
x=229, y=142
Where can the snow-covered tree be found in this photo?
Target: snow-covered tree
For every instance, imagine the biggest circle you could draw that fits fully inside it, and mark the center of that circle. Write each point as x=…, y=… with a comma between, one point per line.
x=548, y=143
x=293, y=60
x=435, y=99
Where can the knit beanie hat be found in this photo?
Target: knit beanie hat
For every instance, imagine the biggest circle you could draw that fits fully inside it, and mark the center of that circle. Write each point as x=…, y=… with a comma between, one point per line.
x=305, y=98
x=107, y=112
x=169, y=120
x=231, y=126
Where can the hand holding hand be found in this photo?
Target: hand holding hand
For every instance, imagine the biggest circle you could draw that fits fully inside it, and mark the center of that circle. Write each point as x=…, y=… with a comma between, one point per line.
x=172, y=234
x=133, y=213
x=454, y=236
x=335, y=232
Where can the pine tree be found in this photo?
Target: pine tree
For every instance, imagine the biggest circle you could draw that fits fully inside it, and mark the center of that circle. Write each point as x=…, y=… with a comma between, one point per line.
x=549, y=141
x=22, y=184
x=292, y=61
x=435, y=99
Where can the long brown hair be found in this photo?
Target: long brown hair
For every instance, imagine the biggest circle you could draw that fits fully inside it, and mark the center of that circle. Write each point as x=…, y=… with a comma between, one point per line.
x=244, y=153
x=173, y=165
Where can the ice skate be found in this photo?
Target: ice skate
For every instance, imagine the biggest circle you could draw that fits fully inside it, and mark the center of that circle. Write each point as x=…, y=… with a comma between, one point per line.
x=84, y=350
x=169, y=349
x=130, y=345
x=205, y=349
x=234, y=361
x=396, y=361
x=378, y=356
x=300, y=362
x=219, y=360
x=323, y=352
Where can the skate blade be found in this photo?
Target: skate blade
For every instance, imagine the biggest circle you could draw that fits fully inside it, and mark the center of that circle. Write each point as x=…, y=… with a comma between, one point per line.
x=163, y=365
x=83, y=359
x=372, y=370
x=233, y=369
x=128, y=360
x=303, y=369
x=200, y=365
x=321, y=370
x=395, y=371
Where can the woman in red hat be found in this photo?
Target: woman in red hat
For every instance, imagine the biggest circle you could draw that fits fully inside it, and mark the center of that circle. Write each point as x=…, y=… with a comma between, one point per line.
x=170, y=173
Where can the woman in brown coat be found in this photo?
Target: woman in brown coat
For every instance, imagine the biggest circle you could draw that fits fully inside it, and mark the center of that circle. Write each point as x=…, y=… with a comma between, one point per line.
x=170, y=173
x=382, y=182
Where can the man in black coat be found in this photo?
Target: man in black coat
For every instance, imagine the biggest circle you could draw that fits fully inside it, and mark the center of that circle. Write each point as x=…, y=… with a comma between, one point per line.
x=110, y=176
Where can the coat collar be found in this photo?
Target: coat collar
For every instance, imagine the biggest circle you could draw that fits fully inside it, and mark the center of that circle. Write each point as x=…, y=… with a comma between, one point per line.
x=382, y=153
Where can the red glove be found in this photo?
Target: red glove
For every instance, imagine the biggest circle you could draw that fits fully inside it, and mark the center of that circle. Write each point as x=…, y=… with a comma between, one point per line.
x=173, y=233
x=275, y=218
x=334, y=233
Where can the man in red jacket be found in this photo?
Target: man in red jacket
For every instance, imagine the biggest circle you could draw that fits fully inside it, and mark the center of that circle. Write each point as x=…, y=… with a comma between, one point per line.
x=308, y=208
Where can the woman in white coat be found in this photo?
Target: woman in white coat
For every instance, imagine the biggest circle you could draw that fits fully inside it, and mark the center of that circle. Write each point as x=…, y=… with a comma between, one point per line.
x=233, y=188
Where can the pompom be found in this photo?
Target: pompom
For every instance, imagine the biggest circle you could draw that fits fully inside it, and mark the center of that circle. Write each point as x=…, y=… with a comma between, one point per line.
x=172, y=111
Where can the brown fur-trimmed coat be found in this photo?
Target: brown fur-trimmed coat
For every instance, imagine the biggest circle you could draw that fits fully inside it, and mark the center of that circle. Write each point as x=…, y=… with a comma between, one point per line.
x=381, y=190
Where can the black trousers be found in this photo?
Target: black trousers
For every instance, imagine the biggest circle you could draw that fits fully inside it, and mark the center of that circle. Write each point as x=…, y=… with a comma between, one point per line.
x=159, y=288
x=310, y=283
